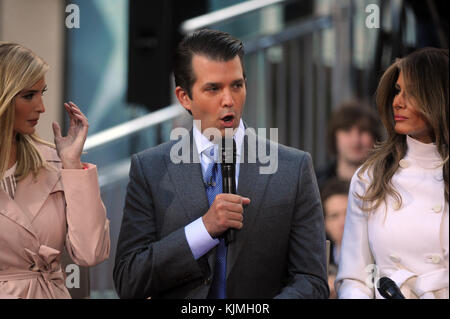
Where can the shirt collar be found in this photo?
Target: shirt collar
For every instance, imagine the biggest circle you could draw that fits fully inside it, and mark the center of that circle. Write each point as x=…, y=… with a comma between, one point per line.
x=203, y=143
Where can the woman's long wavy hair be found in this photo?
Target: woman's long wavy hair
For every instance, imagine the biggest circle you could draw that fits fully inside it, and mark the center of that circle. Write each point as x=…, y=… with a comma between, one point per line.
x=20, y=68
x=425, y=73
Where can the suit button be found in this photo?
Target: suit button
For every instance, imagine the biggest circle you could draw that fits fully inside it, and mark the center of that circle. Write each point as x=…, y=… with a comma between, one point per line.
x=394, y=258
x=437, y=208
x=403, y=163
x=207, y=281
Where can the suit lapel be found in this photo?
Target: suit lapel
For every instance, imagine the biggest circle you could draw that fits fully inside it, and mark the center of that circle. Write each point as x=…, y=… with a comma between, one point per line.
x=253, y=185
x=188, y=183
x=187, y=179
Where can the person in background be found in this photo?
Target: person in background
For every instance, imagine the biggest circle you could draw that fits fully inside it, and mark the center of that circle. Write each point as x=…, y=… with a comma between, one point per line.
x=49, y=199
x=397, y=222
x=332, y=272
x=334, y=202
x=352, y=131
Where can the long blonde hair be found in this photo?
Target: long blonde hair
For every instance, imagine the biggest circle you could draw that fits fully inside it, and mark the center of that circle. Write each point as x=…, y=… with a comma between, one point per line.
x=20, y=68
x=426, y=78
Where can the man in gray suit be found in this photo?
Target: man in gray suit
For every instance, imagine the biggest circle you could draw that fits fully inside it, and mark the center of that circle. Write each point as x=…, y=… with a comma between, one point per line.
x=171, y=240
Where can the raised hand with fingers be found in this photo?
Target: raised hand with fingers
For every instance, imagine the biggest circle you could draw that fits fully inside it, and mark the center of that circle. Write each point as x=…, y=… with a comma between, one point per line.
x=70, y=147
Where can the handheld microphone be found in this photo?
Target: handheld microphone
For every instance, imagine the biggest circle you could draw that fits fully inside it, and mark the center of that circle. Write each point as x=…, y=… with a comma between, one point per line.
x=388, y=289
x=229, y=175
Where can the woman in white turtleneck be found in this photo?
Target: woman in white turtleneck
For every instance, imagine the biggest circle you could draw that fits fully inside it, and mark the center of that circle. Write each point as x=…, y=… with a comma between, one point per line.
x=397, y=222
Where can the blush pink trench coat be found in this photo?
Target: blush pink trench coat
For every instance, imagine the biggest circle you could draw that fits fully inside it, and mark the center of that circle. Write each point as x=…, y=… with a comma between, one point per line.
x=58, y=208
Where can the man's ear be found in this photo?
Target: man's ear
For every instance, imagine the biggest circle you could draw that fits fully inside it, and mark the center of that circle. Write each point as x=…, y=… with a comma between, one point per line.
x=183, y=98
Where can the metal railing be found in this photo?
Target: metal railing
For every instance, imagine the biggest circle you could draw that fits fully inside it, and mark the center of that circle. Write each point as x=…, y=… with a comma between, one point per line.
x=133, y=126
x=227, y=14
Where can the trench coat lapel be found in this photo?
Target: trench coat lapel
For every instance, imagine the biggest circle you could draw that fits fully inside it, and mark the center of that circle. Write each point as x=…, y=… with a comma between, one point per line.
x=11, y=210
x=31, y=194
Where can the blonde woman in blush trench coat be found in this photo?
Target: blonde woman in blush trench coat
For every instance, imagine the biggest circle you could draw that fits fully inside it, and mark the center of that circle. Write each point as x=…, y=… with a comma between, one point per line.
x=58, y=206
x=33, y=230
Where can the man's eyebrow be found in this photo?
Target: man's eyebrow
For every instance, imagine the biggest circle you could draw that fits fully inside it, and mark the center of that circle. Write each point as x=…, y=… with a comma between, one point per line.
x=211, y=83
x=220, y=84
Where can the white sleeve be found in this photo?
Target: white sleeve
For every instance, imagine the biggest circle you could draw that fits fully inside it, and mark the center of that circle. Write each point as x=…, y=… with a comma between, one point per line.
x=353, y=280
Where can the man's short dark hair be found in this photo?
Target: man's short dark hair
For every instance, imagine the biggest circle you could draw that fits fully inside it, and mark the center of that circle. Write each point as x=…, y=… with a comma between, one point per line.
x=213, y=44
x=350, y=114
x=333, y=186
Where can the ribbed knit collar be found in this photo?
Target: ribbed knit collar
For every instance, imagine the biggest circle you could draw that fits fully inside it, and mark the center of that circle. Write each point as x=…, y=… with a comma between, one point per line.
x=423, y=152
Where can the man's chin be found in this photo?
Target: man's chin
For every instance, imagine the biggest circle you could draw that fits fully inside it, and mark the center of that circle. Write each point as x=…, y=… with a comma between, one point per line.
x=357, y=162
x=227, y=131
x=228, y=127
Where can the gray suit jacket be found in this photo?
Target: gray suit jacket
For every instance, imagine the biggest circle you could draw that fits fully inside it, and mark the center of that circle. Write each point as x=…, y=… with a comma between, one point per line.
x=279, y=252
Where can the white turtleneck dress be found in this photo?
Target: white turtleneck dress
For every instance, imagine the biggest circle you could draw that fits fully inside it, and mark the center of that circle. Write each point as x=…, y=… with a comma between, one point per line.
x=408, y=243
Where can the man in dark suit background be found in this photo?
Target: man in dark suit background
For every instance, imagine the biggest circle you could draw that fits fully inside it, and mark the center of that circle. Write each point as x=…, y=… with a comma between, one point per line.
x=171, y=241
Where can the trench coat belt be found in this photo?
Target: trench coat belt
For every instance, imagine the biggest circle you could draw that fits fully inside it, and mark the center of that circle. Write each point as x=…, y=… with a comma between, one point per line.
x=43, y=264
x=48, y=276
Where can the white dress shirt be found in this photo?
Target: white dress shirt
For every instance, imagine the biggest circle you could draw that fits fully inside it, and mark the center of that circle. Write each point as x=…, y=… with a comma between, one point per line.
x=198, y=238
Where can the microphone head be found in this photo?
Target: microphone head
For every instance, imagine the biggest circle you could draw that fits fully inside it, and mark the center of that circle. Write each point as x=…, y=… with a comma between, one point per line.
x=228, y=150
x=388, y=289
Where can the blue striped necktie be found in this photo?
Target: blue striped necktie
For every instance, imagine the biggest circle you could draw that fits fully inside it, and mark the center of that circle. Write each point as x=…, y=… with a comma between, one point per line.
x=213, y=182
